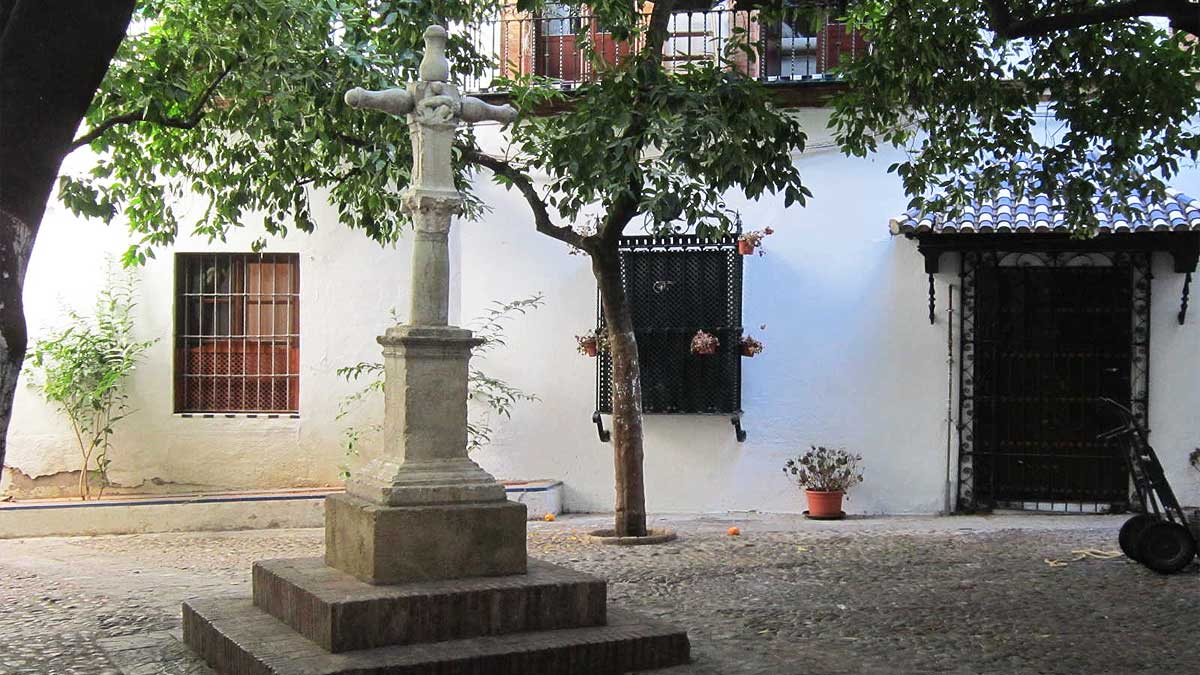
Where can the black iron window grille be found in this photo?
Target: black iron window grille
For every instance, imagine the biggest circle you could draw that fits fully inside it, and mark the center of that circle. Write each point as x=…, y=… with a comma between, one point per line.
x=1044, y=336
x=237, y=333
x=678, y=285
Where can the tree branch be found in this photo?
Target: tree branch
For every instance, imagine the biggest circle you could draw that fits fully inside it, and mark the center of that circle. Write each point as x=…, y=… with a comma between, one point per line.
x=350, y=140
x=189, y=122
x=623, y=209
x=656, y=32
x=1183, y=14
x=541, y=214
x=336, y=180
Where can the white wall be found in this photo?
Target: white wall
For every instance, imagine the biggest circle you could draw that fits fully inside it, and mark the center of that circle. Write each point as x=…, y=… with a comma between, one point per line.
x=1175, y=373
x=347, y=285
x=850, y=358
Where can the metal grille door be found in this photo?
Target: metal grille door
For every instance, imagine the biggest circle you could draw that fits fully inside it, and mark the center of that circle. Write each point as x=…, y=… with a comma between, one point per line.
x=1050, y=342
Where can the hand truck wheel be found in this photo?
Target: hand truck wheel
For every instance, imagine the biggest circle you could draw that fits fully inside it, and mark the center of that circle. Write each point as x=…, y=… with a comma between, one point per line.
x=1131, y=533
x=1166, y=547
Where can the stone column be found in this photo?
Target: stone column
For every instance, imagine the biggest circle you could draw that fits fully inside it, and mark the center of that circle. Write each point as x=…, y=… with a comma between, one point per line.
x=423, y=509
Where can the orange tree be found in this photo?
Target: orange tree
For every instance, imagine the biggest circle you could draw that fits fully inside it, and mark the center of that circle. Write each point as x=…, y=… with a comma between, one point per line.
x=645, y=147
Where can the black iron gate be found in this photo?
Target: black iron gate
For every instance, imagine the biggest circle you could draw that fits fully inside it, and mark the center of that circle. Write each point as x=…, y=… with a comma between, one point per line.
x=1048, y=335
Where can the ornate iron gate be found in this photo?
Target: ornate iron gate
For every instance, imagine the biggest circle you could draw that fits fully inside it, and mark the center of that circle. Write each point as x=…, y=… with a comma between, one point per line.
x=1044, y=337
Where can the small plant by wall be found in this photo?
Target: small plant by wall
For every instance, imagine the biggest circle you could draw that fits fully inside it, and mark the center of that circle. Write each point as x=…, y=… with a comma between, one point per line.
x=82, y=369
x=490, y=394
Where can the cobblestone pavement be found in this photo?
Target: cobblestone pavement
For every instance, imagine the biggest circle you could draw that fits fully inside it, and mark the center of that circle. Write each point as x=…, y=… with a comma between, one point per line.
x=869, y=595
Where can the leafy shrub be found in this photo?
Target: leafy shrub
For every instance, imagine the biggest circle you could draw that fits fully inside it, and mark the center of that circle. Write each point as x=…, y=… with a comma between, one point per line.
x=83, y=368
x=824, y=470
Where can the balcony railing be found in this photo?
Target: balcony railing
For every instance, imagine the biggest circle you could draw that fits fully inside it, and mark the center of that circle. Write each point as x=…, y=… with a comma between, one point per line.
x=547, y=46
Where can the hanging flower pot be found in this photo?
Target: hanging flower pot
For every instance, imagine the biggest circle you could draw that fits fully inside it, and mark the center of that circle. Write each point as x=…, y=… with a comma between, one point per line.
x=588, y=346
x=591, y=344
x=750, y=347
x=749, y=242
x=704, y=344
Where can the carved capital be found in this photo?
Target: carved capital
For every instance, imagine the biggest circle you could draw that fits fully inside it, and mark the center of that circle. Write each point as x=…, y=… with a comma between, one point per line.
x=432, y=211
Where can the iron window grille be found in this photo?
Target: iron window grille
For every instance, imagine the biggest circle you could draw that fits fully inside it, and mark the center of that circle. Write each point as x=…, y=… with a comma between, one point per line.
x=237, y=333
x=677, y=285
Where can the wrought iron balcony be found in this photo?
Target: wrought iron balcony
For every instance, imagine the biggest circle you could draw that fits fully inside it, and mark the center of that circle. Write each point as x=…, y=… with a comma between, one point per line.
x=547, y=46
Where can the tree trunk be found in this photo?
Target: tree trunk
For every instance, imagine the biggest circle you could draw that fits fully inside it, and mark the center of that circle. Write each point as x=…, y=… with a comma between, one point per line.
x=626, y=395
x=53, y=55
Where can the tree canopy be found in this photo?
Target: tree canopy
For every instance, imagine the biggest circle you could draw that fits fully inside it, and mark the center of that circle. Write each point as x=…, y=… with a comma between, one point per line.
x=1085, y=100
x=240, y=103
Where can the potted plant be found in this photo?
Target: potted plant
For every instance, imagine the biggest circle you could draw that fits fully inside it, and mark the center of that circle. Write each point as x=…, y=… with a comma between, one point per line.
x=749, y=242
x=825, y=475
x=750, y=347
x=592, y=343
x=704, y=344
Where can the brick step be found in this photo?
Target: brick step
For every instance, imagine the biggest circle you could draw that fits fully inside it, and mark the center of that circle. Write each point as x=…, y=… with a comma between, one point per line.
x=237, y=638
x=341, y=613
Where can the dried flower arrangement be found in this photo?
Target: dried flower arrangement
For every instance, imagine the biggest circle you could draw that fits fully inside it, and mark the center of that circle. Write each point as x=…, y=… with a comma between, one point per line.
x=750, y=347
x=704, y=343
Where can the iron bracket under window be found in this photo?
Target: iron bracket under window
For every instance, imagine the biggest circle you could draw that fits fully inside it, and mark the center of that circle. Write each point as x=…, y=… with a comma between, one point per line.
x=605, y=435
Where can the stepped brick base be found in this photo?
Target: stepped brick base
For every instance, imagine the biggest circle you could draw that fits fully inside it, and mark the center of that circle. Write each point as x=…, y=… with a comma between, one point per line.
x=341, y=613
x=237, y=638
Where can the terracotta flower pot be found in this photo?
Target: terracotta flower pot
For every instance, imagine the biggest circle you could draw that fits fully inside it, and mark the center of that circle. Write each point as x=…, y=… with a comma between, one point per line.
x=824, y=504
x=745, y=247
x=747, y=351
x=589, y=348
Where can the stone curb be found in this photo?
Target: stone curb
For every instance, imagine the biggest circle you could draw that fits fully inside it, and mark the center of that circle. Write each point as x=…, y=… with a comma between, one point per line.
x=652, y=537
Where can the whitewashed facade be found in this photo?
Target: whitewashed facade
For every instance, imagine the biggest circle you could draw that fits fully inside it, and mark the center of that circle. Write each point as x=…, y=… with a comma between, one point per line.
x=851, y=359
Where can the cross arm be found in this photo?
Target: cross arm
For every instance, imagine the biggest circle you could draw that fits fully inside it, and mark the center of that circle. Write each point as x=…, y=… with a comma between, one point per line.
x=475, y=110
x=391, y=101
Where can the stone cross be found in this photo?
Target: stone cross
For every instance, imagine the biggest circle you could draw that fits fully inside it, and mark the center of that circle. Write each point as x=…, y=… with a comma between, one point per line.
x=434, y=107
x=422, y=509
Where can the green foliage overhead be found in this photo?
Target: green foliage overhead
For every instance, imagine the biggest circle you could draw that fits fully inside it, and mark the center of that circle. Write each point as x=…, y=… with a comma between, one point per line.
x=700, y=133
x=240, y=102
x=1116, y=98
x=218, y=114
x=665, y=145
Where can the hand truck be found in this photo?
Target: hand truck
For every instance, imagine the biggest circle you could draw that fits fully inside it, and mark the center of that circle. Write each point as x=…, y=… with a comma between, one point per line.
x=1159, y=536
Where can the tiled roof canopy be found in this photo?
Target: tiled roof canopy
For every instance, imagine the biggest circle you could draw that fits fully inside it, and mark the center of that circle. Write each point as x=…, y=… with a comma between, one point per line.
x=1039, y=213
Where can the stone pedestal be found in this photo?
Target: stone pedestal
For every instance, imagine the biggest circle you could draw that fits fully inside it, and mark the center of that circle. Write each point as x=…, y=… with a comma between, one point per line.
x=424, y=510
x=424, y=458
x=394, y=544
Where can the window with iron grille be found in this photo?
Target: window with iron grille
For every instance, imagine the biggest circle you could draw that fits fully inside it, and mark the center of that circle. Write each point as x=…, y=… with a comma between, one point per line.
x=237, y=332
x=678, y=285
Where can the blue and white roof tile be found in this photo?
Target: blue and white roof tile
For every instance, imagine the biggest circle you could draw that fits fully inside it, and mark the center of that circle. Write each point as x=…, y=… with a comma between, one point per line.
x=1038, y=213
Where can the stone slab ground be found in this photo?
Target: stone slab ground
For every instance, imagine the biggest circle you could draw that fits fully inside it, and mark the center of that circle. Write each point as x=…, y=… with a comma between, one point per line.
x=878, y=595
